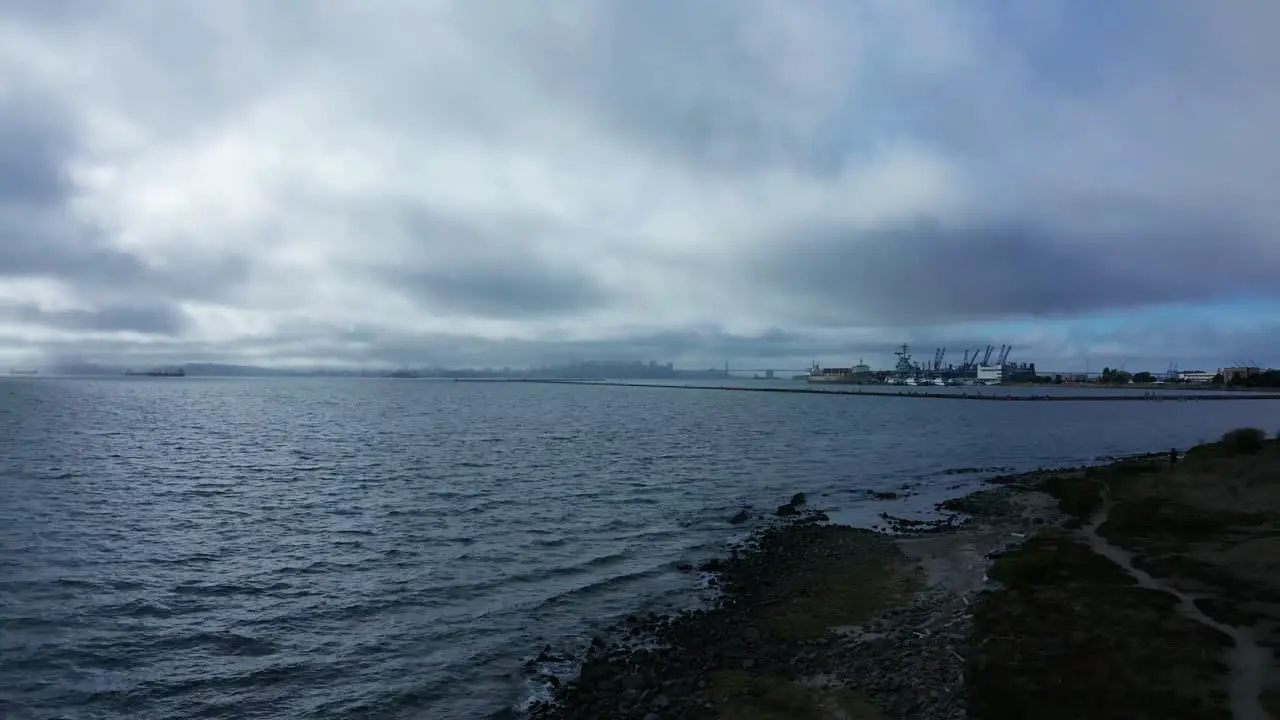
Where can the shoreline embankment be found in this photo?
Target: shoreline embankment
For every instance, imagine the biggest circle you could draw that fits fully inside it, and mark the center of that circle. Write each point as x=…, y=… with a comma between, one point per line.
x=993, y=395
x=1148, y=587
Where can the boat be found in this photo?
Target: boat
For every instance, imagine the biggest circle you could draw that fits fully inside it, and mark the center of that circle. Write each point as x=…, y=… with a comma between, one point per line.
x=16, y=371
x=859, y=374
x=855, y=375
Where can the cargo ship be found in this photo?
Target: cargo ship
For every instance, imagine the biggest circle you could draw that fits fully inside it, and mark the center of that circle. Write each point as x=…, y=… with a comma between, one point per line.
x=857, y=375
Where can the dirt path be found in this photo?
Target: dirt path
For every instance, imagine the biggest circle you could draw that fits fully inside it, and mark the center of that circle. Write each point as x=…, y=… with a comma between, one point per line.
x=1249, y=663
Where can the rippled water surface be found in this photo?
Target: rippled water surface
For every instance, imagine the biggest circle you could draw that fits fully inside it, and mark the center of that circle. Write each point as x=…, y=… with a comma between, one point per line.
x=175, y=548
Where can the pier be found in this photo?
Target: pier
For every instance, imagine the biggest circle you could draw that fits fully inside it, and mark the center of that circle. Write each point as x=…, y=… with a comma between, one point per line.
x=991, y=396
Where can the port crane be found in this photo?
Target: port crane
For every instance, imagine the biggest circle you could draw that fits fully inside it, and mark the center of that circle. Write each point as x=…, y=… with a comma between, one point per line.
x=1004, y=355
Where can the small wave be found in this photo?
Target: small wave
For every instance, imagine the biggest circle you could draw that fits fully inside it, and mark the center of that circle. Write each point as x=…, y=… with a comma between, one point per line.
x=221, y=643
x=194, y=559
x=138, y=609
x=610, y=582
x=227, y=589
x=319, y=567
x=540, y=575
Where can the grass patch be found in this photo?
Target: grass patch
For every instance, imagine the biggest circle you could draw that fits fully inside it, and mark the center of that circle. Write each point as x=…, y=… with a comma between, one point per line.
x=1243, y=441
x=1078, y=495
x=1234, y=443
x=1055, y=559
x=1072, y=636
x=1171, y=522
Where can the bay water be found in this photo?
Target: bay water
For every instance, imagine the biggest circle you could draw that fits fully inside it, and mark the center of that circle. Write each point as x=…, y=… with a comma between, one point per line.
x=339, y=548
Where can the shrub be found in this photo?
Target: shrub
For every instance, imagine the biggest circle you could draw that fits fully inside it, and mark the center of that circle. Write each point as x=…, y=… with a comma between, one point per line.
x=1243, y=441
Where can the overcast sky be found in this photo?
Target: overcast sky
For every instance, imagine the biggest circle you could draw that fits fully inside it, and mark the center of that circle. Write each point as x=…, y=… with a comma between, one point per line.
x=479, y=182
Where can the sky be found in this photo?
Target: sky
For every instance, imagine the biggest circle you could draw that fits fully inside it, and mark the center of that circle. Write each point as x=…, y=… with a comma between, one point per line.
x=767, y=182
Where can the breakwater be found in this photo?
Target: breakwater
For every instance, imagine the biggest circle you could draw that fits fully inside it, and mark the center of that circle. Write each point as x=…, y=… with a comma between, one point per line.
x=927, y=395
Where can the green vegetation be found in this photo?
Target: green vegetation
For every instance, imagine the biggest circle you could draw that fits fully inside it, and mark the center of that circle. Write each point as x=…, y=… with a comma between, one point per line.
x=1244, y=441
x=1112, y=376
x=1078, y=495
x=1072, y=636
x=1238, y=442
x=1174, y=522
x=1262, y=379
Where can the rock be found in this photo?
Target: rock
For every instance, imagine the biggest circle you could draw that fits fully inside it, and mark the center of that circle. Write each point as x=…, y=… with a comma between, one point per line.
x=797, y=499
x=786, y=510
x=740, y=517
x=713, y=565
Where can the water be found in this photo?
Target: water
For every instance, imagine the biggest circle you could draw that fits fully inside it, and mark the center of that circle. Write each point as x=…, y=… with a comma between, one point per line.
x=176, y=548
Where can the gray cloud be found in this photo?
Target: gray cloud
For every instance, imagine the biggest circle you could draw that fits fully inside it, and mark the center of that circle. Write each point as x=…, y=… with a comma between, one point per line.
x=505, y=291
x=34, y=143
x=750, y=179
x=148, y=319
x=927, y=272
x=38, y=237
x=485, y=267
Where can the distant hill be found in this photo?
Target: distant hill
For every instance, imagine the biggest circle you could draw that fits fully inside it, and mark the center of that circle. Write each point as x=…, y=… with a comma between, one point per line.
x=83, y=368
x=221, y=370
x=192, y=369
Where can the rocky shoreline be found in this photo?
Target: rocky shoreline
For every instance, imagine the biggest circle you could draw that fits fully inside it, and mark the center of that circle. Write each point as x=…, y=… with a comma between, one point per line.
x=963, y=617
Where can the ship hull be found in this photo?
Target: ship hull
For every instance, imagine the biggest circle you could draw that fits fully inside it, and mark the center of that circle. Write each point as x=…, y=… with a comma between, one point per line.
x=837, y=380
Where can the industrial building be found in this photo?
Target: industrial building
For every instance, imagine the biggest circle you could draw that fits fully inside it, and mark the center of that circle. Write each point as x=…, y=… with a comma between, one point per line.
x=1235, y=374
x=1196, y=376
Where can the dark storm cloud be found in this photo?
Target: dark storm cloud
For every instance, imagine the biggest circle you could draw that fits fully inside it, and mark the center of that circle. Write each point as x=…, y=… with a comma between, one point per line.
x=157, y=319
x=485, y=267
x=504, y=290
x=930, y=272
